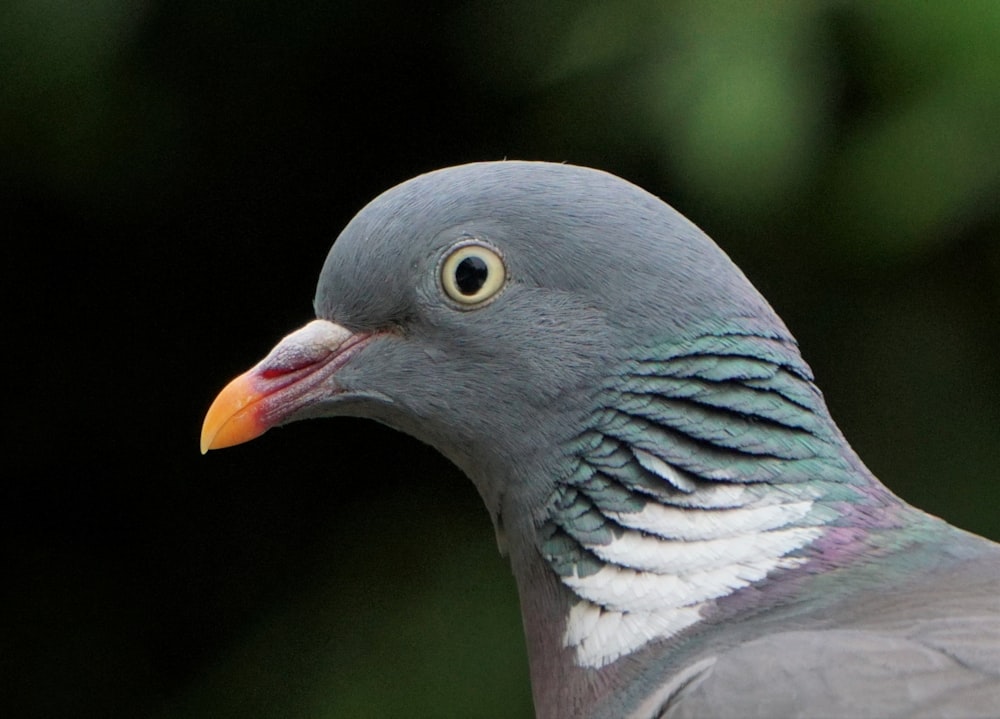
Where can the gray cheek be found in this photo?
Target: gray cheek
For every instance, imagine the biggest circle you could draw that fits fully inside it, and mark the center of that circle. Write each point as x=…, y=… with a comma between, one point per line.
x=434, y=354
x=427, y=295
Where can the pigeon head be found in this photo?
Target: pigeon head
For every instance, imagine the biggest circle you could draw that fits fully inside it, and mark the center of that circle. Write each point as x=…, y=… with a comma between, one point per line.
x=479, y=308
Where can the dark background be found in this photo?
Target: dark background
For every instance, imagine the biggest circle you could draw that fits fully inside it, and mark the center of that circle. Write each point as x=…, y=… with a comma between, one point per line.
x=172, y=174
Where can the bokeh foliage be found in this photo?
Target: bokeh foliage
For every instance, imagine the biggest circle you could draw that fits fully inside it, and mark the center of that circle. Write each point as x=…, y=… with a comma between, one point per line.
x=174, y=173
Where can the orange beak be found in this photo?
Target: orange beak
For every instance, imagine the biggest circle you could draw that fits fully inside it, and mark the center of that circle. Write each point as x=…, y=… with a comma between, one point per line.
x=295, y=375
x=233, y=417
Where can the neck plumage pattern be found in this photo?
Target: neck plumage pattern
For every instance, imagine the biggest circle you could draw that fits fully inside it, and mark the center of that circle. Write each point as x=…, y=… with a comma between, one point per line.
x=709, y=464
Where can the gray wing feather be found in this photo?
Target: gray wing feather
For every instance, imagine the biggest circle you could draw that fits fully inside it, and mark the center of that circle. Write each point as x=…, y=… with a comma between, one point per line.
x=936, y=668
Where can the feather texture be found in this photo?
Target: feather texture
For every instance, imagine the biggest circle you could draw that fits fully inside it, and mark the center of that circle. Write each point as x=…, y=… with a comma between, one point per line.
x=661, y=517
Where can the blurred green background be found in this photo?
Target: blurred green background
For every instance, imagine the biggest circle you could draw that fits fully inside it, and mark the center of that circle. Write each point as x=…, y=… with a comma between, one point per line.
x=172, y=175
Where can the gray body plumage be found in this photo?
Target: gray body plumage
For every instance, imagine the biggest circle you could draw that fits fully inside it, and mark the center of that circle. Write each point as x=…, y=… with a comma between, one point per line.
x=690, y=532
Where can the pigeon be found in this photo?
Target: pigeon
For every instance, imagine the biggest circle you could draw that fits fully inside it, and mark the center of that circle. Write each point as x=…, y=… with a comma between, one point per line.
x=690, y=533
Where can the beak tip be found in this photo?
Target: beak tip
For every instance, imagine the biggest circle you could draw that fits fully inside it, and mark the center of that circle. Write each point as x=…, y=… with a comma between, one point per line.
x=232, y=419
x=209, y=434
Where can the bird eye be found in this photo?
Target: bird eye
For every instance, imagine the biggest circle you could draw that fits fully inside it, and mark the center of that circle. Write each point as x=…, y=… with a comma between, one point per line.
x=472, y=273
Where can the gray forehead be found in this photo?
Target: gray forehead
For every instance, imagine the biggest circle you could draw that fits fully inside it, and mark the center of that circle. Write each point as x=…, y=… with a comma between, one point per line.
x=560, y=227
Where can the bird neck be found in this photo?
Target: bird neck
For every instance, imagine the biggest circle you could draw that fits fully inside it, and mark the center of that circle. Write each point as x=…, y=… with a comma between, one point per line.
x=709, y=469
x=672, y=572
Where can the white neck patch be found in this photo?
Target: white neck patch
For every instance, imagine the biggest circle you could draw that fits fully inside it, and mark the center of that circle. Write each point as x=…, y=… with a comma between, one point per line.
x=671, y=563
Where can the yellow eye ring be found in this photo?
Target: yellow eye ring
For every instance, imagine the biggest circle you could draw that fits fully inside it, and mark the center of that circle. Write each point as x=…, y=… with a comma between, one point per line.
x=472, y=273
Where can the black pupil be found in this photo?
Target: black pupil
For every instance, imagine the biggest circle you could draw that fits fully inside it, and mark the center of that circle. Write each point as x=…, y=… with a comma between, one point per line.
x=470, y=275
